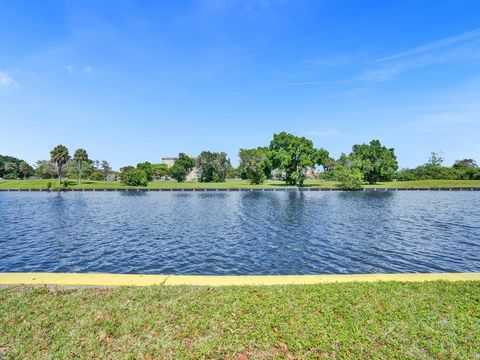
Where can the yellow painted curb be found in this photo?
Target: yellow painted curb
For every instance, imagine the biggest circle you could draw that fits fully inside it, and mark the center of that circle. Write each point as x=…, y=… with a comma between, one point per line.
x=80, y=279
x=94, y=279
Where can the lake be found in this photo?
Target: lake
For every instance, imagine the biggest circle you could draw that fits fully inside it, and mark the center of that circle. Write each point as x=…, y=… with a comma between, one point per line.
x=239, y=233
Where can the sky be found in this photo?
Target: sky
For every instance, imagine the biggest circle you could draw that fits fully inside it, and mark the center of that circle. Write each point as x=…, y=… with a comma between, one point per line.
x=133, y=81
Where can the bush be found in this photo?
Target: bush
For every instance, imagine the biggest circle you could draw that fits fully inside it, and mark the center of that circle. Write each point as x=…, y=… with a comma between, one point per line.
x=63, y=185
x=49, y=185
x=328, y=175
x=406, y=175
x=135, y=177
x=11, y=176
x=350, y=179
x=97, y=175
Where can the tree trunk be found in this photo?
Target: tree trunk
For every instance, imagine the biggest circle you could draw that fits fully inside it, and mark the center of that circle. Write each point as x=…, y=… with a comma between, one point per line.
x=59, y=174
x=80, y=172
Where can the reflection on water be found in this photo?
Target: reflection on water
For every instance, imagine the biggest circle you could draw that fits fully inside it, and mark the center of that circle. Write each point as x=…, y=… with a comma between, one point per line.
x=240, y=232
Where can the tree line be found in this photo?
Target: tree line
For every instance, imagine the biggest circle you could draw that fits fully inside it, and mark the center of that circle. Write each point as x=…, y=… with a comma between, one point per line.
x=60, y=165
x=287, y=157
x=210, y=167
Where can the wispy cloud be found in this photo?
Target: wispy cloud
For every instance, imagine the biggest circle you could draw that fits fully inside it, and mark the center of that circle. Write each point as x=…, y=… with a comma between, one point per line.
x=448, y=41
x=6, y=80
x=69, y=69
x=332, y=61
x=462, y=47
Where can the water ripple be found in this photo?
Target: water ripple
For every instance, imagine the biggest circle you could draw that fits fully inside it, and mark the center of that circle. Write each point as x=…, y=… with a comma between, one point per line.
x=240, y=232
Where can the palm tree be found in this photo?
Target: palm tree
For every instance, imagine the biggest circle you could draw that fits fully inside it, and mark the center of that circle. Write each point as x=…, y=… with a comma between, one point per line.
x=80, y=156
x=25, y=169
x=59, y=156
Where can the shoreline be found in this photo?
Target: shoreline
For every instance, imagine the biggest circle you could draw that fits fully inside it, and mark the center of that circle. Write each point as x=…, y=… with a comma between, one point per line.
x=246, y=189
x=115, y=280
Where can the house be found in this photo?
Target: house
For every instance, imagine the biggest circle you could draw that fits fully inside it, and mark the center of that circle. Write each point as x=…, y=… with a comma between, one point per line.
x=170, y=160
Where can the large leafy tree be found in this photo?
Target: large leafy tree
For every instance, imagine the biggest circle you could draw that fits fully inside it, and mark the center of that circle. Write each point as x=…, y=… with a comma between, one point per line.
x=465, y=163
x=80, y=157
x=255, y=164
x=45, y=169
x=182, y=167
x=7, y=172
x=59, y=156
x=213, y=166
x=106, y=168
x=25, y=169
x=375, y=161
x=162, y=170
x=11, y=170
x=133, y=177
x=293, y=155
x=148, y=169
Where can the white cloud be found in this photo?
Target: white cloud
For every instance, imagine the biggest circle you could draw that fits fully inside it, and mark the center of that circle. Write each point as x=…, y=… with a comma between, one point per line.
x=69, y=68
x=6, y=80
x=88, y=70
x=463, y=47
x=448, y=41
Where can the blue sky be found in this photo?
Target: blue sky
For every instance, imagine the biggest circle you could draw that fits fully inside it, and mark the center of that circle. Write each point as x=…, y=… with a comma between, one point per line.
x=132, y=81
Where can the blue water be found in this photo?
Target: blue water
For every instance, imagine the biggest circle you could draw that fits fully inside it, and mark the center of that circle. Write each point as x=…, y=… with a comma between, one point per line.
x=240, y=232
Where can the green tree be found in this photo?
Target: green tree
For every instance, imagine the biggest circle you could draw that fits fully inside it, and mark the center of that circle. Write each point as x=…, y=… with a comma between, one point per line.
x=7, y=159
x=97, y=175
x=466, y=169
x=465, y=163
x=80, y=157
x=376, y=162
x=45, y=169
x=124, y=171
x=435, y=159
x=11, y=170
x=232, y=172
x=349, y=178
x=255, y=165
x=59, y=156
x=134, y=177
x=106, y=169
x=293, y=155
x=182, y=167
x=25, y=169
x=148, y=169
x=161, y=171
x=213, y=166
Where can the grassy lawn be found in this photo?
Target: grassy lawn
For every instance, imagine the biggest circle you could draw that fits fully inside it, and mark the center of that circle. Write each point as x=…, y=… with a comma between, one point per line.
x=429, y=183
x=350, y=320
x=42, y=184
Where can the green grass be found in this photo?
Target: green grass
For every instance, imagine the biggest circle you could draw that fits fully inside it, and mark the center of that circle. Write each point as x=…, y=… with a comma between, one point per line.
x=349, y=320
x=429, y=184
x=42, y=184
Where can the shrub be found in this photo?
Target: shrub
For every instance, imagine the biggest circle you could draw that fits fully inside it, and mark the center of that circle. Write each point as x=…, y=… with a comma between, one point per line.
x=135, y=177
x=97, y=175
x=328, y=175
x=63, y=185
x=350, y=179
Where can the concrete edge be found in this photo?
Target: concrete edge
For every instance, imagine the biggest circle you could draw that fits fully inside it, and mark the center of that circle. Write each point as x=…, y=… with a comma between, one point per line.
x=107, y=280
x=244, y=189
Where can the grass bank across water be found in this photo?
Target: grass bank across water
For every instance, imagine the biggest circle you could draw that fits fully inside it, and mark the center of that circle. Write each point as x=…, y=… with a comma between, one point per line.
x=351, y=320
x=235, y=184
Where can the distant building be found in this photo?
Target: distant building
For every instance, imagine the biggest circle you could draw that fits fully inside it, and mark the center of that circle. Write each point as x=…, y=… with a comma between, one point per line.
x=170, y=160
x=111, y=177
